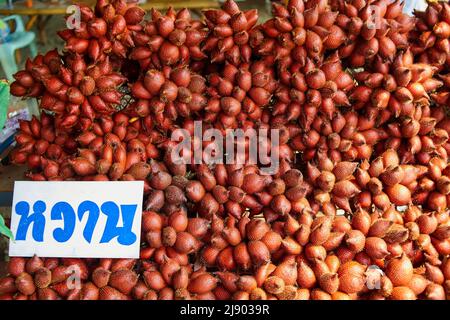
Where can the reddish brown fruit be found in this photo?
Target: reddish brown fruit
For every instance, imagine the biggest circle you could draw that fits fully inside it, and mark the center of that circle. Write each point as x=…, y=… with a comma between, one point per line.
x=123, y=280
x=109, y=293
x=25, y=284
x=42, y=278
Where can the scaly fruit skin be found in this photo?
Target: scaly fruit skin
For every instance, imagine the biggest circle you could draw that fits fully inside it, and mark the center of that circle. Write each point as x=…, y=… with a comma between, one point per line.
x=400, y=271
x=109, y=293
x=7, y=285
x=42, y=278
x=16, y=266
x=123, y=280
x=120, y=264
x=89, y=292
x=61, y=288
x=47, y=294
x=34, y=264
x=25, y=284
x=100, y=277
x=60, y=273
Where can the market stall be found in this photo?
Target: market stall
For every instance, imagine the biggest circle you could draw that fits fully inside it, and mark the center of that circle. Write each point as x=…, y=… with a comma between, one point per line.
x=303, y=157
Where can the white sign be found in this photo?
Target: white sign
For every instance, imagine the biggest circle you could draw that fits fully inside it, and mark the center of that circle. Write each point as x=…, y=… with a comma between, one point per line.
x=77, y=219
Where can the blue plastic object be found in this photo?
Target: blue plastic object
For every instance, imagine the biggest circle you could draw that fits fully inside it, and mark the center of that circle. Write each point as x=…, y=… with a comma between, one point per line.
x=4, y=32
x=411, y=5
x=16, y=40
x=4, y=104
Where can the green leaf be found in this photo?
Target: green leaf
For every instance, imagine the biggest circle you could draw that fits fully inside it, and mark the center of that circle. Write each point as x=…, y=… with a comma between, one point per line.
x=4, y=229
x=4, y=101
